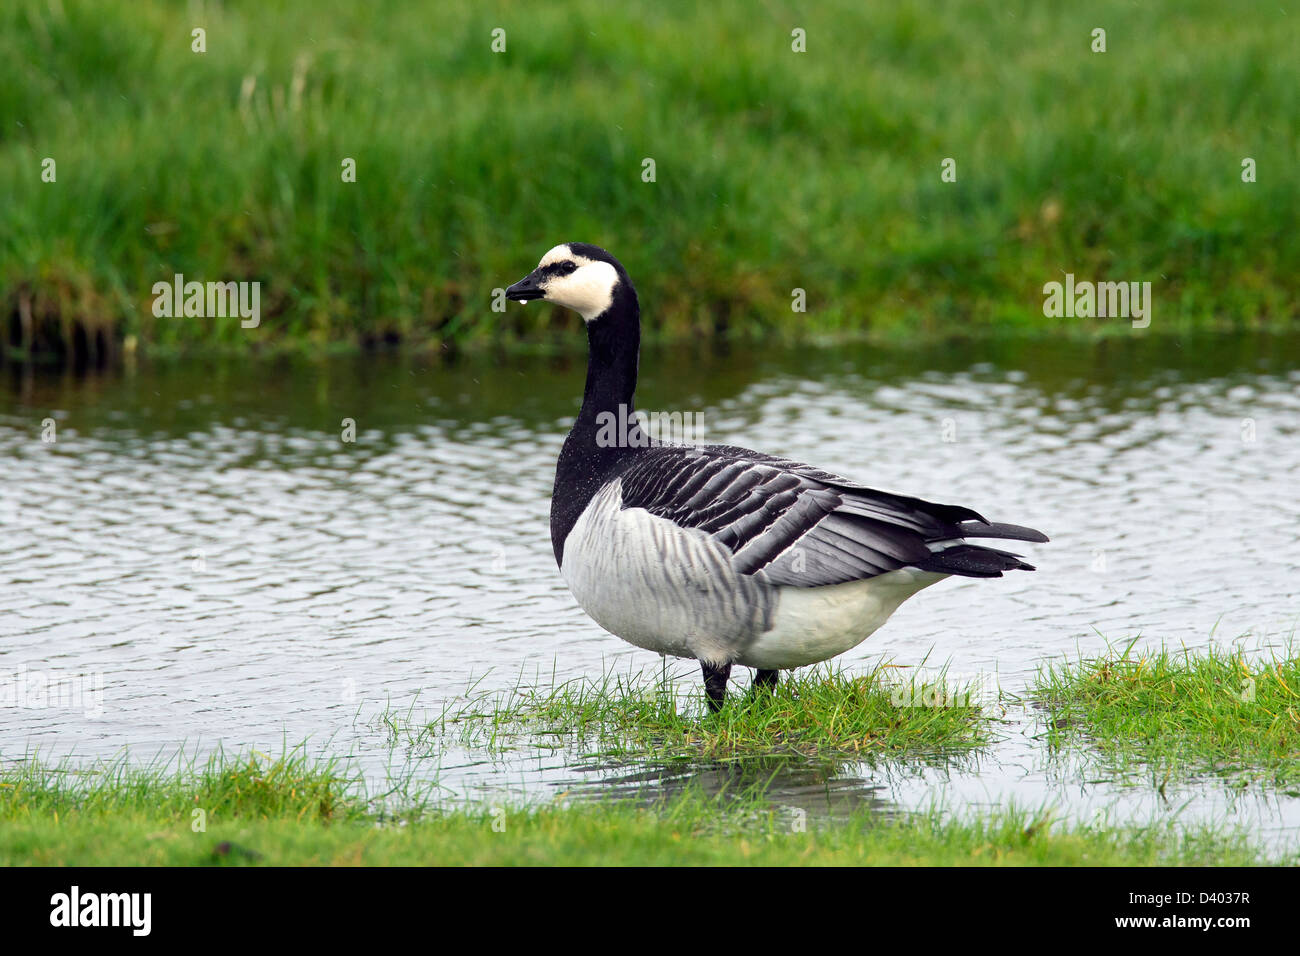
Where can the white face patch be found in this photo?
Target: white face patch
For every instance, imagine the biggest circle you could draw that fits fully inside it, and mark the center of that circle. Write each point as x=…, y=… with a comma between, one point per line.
x=588, y=290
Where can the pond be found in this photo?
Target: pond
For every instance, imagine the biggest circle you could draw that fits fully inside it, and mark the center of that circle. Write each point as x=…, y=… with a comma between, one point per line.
x=201, y=544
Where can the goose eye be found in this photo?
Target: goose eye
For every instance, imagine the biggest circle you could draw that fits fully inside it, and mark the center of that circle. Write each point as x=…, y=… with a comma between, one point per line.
x=568, y=267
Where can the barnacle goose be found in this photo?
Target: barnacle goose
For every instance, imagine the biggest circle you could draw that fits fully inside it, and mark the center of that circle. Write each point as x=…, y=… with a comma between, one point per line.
x=723, y=554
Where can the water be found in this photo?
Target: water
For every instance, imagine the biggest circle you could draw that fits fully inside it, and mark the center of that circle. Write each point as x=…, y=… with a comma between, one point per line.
x=201, y=537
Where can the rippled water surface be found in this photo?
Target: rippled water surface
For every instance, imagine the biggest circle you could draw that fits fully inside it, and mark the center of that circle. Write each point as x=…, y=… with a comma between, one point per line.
x=200, y=535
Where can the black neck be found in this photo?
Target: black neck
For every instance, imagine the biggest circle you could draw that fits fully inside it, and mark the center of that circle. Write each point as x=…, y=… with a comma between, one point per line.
x=613, y=351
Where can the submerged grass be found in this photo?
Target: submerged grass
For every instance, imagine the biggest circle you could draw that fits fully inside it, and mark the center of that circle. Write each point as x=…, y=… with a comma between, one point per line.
x=818, y=713
x=775, y=170
x=291, y=812
x=1180, y=713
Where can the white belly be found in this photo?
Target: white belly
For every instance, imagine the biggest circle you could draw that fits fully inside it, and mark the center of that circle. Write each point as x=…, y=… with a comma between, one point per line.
x=816, y=624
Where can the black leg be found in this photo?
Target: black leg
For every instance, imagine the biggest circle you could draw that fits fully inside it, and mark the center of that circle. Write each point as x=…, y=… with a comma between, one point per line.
x=765, y=680
x=715, y=684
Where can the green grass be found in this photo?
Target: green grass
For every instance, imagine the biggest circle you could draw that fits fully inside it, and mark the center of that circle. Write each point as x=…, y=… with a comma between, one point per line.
x=813, y=714
x=291, y=812
x=1180, y=714
x=775, y=170
x=251, y=786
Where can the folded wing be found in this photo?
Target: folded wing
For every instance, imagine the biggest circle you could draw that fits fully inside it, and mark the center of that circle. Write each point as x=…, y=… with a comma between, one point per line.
x=791, y=524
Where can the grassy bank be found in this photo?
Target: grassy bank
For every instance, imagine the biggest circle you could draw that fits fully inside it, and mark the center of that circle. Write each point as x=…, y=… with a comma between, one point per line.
x=292, y=812
x=774, y=170
x=1181, y=714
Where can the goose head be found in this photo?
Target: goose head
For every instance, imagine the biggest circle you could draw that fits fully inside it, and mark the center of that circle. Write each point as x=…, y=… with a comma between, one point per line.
x=578, y=276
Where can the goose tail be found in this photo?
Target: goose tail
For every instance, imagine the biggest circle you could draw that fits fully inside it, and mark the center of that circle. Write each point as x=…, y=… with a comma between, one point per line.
x=977, y=561
x=973, y=561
